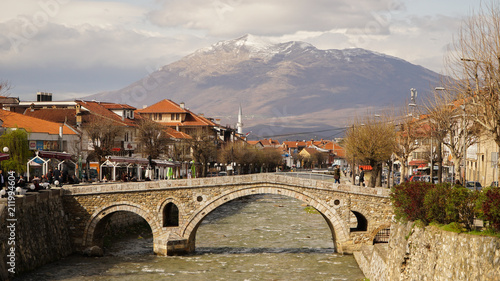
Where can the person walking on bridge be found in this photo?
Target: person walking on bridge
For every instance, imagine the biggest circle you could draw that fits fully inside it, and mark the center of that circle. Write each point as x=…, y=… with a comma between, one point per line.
x=336, y=174
x=361, y=177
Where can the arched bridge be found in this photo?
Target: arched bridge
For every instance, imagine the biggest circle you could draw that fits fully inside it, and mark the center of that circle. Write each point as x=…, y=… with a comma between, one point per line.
x=174, y=209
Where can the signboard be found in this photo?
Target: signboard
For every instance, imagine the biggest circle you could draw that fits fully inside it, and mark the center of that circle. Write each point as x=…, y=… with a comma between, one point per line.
x=129, y=146
x=32, y=144
x=39, y=145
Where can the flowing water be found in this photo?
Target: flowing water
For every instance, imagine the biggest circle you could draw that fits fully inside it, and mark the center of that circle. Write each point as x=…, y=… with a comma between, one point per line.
x=264, y=237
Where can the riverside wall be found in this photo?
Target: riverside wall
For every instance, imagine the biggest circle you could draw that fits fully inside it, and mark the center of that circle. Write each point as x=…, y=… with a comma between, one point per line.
x=430, y=253
x=33, y=232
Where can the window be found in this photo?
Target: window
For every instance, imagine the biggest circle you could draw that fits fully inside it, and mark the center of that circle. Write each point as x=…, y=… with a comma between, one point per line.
x=172, y=116
x=177, y=116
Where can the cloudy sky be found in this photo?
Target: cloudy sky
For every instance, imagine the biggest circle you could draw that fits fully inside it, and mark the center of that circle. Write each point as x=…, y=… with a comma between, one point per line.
x=74, y=48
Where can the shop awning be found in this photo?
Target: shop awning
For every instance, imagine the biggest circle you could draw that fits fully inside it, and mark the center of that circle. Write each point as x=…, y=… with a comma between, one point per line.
x=366, y=167
x=54, y=154
x=4, y=156
x=128, y=160
x=417, y=162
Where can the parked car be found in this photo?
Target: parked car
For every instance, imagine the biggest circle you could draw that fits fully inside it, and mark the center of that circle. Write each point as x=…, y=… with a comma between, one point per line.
x=473, y=185
x=222, y=173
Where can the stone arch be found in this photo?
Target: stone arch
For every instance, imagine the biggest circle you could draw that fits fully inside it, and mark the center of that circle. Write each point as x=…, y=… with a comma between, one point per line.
x=162, y=208
x=94, y=227
x=374, y=232
x=337, y=227
x=362, y=222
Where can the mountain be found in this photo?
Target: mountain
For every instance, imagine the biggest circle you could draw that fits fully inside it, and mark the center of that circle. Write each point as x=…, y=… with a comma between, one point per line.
x=292, y=84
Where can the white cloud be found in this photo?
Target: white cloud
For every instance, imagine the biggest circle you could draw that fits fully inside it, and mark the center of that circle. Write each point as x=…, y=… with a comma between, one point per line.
x=112, y=38
x=261, y=17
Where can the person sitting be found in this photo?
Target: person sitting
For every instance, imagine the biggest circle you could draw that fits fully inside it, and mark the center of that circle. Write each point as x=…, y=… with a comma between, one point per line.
x=21, y=182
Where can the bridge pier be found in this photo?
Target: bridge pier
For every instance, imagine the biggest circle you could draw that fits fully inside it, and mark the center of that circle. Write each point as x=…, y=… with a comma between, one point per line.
x=173, y=246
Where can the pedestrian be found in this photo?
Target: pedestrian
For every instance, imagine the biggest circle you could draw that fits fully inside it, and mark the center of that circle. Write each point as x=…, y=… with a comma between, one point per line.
x=57, y=175
x=336, y=174
x=362, y=177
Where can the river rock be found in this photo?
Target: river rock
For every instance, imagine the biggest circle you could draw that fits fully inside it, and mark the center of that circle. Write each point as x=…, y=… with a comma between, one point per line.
x=94, y=251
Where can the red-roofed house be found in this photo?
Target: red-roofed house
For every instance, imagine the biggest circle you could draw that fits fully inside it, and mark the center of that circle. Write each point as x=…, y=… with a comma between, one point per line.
x=43, y=135
x=178, y=117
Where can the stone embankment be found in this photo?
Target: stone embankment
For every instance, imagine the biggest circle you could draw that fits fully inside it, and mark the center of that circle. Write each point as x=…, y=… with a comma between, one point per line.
x=430, y=253
x=33, y=232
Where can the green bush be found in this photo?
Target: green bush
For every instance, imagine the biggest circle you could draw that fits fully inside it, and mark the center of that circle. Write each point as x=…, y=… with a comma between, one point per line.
x=408, y=200
x=435, y=203
x=461, y=206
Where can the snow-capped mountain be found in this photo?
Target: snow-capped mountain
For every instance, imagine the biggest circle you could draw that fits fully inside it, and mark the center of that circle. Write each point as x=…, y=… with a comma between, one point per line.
x=284, y=84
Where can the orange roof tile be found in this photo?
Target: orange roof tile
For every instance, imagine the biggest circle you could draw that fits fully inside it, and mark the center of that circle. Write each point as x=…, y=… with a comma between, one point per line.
x=31, y=124
x=97, y=108
x=58, y=115
x=294, y=144
x=163, y=106
x=176, y=134
x=109, y=105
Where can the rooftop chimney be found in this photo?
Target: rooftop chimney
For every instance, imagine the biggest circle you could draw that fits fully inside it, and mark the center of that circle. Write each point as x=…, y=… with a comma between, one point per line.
x=182, y=105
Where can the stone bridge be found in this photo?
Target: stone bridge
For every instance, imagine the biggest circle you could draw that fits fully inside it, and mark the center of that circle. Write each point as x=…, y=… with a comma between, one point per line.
x=174, y=209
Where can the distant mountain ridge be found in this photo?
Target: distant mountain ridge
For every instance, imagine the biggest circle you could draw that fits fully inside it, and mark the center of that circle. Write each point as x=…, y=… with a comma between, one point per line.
x=290, y=84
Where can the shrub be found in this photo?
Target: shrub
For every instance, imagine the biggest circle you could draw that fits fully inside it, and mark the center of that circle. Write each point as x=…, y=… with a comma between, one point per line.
x=461, y=206
x=408, y=200
x=435, y=202
x=490, y=205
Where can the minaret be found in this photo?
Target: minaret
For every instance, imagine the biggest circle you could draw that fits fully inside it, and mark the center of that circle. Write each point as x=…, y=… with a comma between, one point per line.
x=239, y=125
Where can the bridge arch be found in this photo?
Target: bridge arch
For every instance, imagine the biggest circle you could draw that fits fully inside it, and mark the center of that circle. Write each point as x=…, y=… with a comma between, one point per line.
x=339, y=232
x=94, y=230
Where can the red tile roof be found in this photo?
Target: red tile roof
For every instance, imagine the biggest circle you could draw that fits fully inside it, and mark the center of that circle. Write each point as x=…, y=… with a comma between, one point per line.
x=109, y=105
x=168, y=106
x=270, y=142
x=164, y=106
x=31, y=124
x=97, y=108
x=294, y=144
x=58, y=115
x=176, y=134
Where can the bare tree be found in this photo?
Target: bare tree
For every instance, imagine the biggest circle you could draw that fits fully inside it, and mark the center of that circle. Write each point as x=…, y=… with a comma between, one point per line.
x=407, y=134
x=203, y=148
x=474, y=62
x=449, y=125
x=101, y=133
x=4, y=88
x=372, y=142
x=153, y=138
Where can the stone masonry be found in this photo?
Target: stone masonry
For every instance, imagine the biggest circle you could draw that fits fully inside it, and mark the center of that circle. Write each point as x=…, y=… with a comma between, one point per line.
x=41, y=233
x=88, y=208
x=429, y=253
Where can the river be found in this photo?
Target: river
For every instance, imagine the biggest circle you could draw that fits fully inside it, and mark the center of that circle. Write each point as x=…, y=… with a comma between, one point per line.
x=263, y=237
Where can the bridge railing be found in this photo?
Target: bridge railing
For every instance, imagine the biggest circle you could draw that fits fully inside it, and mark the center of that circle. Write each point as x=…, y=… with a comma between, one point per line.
x=313, y=176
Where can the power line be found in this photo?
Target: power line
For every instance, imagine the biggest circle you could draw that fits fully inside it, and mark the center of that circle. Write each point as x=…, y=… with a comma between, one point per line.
x=301, y=133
